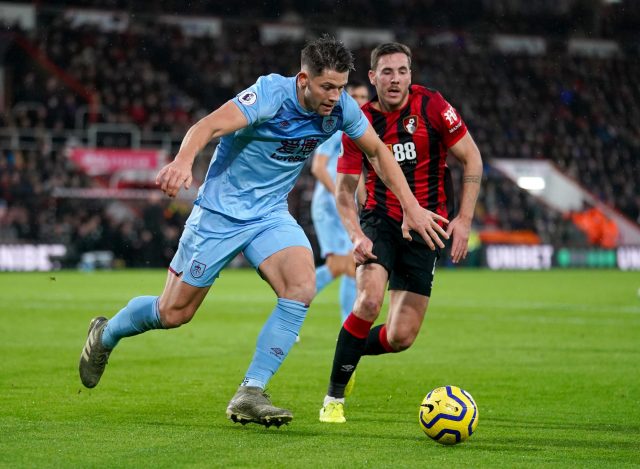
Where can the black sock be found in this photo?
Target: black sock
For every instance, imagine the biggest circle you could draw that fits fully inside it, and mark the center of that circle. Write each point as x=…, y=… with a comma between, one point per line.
x=348, y=352
x=373, y=345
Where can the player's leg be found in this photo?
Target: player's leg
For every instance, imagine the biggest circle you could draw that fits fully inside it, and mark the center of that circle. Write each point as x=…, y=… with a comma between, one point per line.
x=323, y=228
x=371, y=282
x=410, y=288
x=406, y=314
x=193, y=269
x=177, y=305
x=335, y=245
x=348, y=289
x=285, y=260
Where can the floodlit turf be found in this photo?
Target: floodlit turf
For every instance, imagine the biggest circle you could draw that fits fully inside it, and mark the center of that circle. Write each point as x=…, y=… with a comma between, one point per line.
x=551, y=358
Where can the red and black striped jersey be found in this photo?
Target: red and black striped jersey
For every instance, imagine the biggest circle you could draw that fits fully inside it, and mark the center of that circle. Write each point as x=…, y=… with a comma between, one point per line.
x=418, y=136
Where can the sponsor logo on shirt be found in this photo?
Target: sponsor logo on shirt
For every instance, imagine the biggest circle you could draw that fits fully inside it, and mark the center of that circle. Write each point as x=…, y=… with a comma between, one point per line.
x=294, y=151
x=451, y=119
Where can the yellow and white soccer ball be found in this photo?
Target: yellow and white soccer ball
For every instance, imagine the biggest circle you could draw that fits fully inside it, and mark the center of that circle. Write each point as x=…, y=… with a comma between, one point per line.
x=448, y=415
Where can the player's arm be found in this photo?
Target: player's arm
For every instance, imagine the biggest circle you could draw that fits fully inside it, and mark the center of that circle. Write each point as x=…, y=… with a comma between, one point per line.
x=346, y=187
x=226, y=119
x=416, y=218
x=467, y=152
x=319, y=171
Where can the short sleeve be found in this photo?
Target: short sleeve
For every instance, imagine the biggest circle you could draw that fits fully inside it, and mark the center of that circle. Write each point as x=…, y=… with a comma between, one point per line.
x=261, y=100
x=354, y=121
x=446, y=119
x=350, y=162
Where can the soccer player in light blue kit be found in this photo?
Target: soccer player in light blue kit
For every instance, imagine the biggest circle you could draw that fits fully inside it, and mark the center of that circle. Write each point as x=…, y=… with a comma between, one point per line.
x=335, y=245
x=266, y=133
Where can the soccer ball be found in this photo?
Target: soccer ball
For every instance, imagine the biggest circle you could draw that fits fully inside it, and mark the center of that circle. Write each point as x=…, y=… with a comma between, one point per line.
x=448, y=415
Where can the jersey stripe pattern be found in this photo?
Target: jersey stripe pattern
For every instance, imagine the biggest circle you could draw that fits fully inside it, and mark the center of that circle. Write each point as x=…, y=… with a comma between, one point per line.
x=418, y=136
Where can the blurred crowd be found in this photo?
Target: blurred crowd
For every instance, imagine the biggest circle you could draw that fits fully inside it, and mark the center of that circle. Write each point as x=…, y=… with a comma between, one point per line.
x=581, y=113
x=140, y=233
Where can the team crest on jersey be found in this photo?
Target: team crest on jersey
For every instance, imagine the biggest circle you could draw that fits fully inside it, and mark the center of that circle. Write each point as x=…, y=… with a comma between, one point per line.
x=197, y=269
x=410, y=124
x=329, y=123
x=247, y=97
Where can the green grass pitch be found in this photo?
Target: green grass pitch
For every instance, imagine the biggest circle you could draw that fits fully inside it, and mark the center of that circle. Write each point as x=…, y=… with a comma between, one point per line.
x=551, y=358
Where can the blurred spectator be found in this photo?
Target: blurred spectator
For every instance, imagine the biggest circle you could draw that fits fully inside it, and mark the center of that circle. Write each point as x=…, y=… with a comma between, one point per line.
x=581, y=113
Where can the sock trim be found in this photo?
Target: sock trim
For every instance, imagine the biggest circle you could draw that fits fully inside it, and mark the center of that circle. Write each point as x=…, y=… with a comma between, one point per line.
x=382, y=336
x=356, y=326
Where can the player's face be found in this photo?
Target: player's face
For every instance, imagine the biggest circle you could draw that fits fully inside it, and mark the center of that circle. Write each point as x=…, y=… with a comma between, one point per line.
x=392, y=78
x=320, y=93
x=359, y=93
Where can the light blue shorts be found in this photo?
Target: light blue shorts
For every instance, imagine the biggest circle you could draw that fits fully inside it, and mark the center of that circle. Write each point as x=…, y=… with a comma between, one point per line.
x=331, y=234
x=211, y=240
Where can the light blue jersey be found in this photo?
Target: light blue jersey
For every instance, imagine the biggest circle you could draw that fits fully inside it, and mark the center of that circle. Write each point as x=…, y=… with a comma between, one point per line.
x=253, y=169
x=332, y=148
x=330, y=232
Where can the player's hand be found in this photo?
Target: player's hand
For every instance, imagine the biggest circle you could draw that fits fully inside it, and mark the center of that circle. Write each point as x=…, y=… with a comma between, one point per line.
x=425, y=223
x=459, y=228
x=174, y=176
x=363, y=250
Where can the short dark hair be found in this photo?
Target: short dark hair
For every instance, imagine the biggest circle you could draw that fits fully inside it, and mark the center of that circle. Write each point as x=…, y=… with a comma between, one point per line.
x=389, y=48
x=326, y=53
x=356, y=84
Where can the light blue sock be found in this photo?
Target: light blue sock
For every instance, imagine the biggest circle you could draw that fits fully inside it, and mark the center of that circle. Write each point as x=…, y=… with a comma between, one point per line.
x=348, y=295
x=275, y=340
x=323, y=277
x=141, y=314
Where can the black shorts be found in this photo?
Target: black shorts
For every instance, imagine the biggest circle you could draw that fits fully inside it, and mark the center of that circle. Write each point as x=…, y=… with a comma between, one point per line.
x=411, y=264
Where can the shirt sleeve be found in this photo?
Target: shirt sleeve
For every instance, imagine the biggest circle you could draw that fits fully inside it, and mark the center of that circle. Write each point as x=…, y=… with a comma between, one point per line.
x=446, y=119
x=350, y=162
x=260, y=101
x=354, y=120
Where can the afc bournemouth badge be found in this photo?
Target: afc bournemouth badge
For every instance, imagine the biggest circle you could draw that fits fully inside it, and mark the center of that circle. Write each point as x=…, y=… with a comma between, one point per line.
x=329, y=123
x=197, y=269
x=410, y=124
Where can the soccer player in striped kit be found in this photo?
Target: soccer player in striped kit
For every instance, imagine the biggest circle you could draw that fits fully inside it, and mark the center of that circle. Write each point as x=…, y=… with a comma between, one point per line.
x=420, y=128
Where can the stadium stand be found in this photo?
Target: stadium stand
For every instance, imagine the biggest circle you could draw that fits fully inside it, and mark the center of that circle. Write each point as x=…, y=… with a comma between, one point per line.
x=63, y=78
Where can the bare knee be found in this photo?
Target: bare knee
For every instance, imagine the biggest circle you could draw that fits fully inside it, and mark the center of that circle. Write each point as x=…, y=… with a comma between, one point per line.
x=368, y=306
x=401, y=341
x=400, y=344
x=302, y=290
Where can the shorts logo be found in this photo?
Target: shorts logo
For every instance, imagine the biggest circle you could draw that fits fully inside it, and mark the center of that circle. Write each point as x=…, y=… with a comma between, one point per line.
x=410, y=124
x=329, y=124
x=247, y=97
x=197, y=269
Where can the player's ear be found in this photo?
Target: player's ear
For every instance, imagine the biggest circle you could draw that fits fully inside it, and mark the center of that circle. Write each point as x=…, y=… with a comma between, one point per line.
x=372, y=77
x=303, y=79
